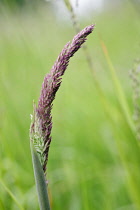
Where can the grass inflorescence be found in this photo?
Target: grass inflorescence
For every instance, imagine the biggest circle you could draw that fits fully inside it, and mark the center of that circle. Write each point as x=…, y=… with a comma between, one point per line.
x=96, y=158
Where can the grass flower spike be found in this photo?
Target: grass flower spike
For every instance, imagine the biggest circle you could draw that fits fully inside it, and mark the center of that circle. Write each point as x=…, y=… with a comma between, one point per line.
x=42, y=122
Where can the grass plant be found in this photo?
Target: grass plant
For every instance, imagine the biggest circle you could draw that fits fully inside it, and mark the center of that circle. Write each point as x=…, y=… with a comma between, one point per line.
x=96, y=155
x=41, y=125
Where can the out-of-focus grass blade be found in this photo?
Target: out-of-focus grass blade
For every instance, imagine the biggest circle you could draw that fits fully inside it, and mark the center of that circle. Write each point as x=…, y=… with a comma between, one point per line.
x=68, y=4
x=11, y=194
x=118, y=88
x=40, y=180
x=126, y=147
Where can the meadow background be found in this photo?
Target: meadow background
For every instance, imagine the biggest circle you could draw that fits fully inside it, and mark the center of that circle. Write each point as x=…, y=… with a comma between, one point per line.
x=94, y=158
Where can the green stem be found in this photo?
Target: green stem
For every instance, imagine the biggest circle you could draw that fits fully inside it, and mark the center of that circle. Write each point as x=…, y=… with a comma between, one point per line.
x=40, y=180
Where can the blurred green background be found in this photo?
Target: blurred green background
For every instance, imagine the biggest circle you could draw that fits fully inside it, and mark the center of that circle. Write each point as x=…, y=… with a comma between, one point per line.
x=94, y=158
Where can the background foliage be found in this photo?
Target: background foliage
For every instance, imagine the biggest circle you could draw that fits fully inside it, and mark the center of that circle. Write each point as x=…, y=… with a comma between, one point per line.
x=94, y=160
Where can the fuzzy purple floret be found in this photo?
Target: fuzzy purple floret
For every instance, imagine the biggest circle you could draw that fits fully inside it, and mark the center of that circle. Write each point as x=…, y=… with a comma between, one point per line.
x=51, y=84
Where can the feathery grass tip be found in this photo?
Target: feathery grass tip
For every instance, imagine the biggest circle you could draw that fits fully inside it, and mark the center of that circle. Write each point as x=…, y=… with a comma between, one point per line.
x=41, y=126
